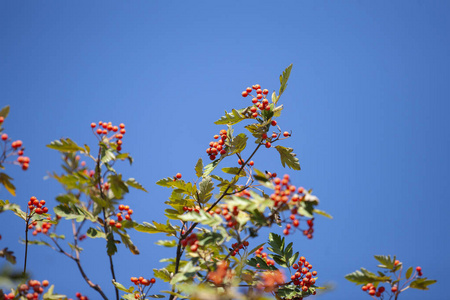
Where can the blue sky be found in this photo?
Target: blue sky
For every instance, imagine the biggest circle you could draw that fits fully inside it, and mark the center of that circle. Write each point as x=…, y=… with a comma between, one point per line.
x=367, y=101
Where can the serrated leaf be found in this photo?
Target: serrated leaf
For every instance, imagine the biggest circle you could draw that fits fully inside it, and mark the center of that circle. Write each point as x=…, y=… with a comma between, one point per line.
x=121, y=287
x=259, y=263
x=238, y=144
x=409, y=272
x=4, y=112
x=284, y=79
x=206, y=186
x=234, y=171
x=162, y=274
x=322, y=213
x=386, y=261
x=6, y=181
x=65, y=145
x=211, y=166
x=9, y=255
x=199, y=168
x=107, y=155
x=422, y=283
x=166, y=243
x=202, y=217
x=256, y=248
x=288, y=157
x=155, y=228
x=95, y=233
x=126, y=240
x=364, y=277
x=234, y=117
x=277, y=243
x=111, y=247
x=133, y=183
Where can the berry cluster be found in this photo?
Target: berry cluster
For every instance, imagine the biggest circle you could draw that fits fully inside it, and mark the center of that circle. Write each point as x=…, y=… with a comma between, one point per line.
x=142, y=281
x=230, y=216
x=81, y=297
x=236, y=247
x=218, y=147
x=30, y=291
x=303, y=276
x=44, y=228
x=286, y=193
x=219, y=274
x=372, y=290
x=105, y=128
x=36, y=206
x=260, y=101
x=271, y=280
x=125, y=212
x=263, y=255
x=16, y=149
x=192, y=241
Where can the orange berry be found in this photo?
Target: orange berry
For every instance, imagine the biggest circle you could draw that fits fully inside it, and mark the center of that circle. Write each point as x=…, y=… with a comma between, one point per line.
x=178, y=175
x=93, y=125
x=122, y=125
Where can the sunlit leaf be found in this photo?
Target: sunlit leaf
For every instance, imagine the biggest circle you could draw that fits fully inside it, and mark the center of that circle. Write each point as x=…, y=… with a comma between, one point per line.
x=288, y=157
x=65, y=145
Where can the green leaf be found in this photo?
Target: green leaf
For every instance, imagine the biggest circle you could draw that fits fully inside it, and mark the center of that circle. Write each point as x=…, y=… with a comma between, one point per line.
x=256, y=248
x=386, y=261
x=276, y=243
x=4, y=112
x=6, y=205
x=186, y=273
x=364, y=277
x=118, y=186
x=133, y=183
x=211, y=166
x=259, y=263
x=181, y=185
x=234, y=171
x=162, y=274
x=123, y=156
x=238, y=144
x=95, y=233
x=6, y=181
x=288, y=157
x=121, y=287
x=107, y=155
x=9, y=255
x=277, y=111
x=50, y=296
x=65, y=145
x=233, y=117
x=126, y=240
x=422, y=283
x=166, y=243
x=284, y=79
x=111, y=248
x=322, y=213
x=206, y=187
x=409, y=272
x=202, y=217
x=293, y=259
x=199, y=168
x=155, y=228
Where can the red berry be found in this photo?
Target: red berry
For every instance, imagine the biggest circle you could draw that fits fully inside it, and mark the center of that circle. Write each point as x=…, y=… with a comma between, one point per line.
x=286, y=134
x=4, y=136
x=419, y=269
x=274, y=123
x=265, y=92
x=244, y=94
x=268, y=145
x=249, y=90
x=394, y=289
x=93, y=125
x=178, y=175
x=2, y=119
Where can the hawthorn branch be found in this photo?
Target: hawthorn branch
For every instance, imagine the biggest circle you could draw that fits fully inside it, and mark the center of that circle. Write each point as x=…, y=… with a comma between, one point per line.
x=192, y=227
x=105, y=226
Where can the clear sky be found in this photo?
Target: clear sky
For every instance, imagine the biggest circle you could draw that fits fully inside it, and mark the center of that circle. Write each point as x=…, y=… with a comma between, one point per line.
x=367, y=101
